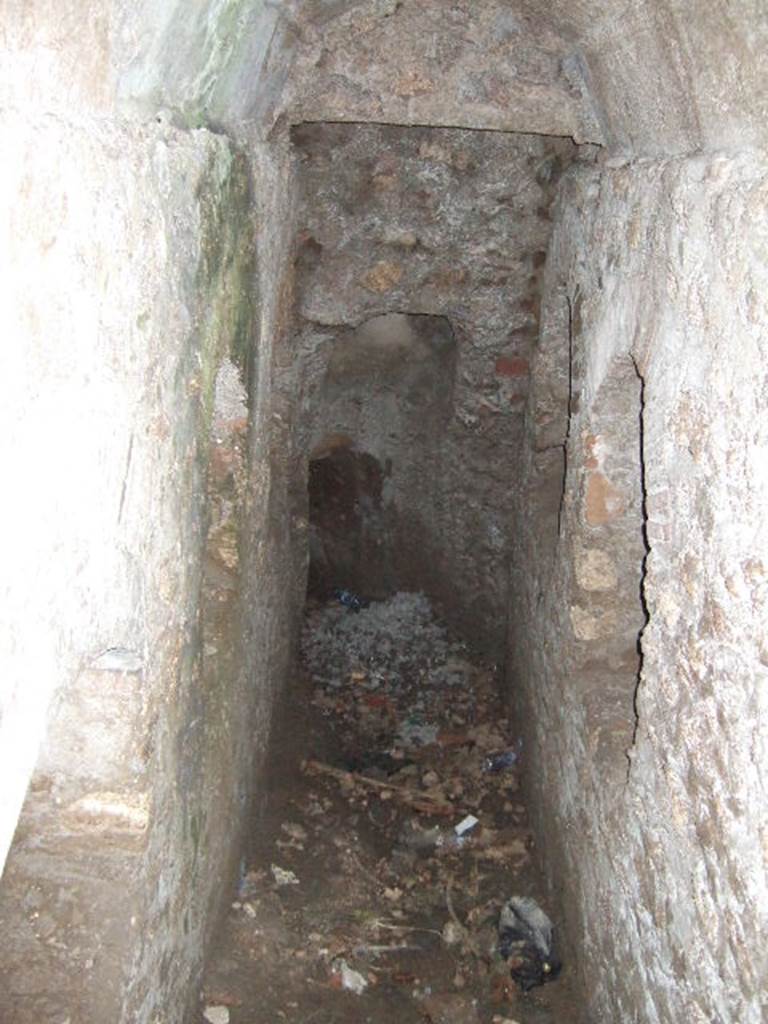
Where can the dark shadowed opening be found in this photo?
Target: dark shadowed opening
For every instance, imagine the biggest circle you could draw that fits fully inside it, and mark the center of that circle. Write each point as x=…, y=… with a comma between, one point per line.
x=348, y=528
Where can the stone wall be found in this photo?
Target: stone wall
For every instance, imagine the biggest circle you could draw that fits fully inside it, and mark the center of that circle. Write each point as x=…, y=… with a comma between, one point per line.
x=136, y=263
x=648, y=414
x=149, y=620
x=274, y=537
x=390, y=382
x=671, y=76
x=451, y=224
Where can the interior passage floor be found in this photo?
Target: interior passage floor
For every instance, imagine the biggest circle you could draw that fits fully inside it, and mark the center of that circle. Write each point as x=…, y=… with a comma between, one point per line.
x=360, y=901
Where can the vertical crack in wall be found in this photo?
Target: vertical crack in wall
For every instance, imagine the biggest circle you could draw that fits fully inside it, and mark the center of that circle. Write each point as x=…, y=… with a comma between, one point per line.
x=126, y=475
x=567, y=436
x=643, y=566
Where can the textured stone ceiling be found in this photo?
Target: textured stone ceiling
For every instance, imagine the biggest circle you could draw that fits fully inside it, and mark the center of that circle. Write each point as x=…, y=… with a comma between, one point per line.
x=651, y=75
x=461, y=64
x=655, y=76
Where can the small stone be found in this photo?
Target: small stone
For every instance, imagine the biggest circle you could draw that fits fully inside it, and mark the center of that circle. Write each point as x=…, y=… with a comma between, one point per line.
x=401, y=239
x=385, y=182
x=413, y=83
x=587, y=626
x=382, y=277
x=294, y=830
x=512, y=366
x=282, y=876
x=451, y=1008
x=603, y=502
x=434, y=152
x=216, y=1014
x=352, y=980
x=596, y=570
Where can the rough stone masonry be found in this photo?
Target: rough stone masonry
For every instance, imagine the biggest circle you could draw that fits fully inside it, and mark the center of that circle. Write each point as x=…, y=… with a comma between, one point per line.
x=588, y=489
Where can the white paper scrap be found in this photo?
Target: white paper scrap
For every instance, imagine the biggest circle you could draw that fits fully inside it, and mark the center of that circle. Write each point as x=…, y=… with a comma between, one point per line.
x=466, y=824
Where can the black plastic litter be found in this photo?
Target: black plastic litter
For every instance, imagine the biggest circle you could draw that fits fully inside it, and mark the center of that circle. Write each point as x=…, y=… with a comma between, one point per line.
x=350, y=600
x=526, y=942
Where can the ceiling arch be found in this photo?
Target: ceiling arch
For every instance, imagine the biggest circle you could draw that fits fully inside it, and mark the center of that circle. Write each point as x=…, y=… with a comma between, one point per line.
x=653, y=76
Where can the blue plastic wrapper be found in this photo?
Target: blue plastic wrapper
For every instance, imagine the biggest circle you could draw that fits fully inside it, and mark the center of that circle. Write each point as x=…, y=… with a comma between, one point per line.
x=500, y=762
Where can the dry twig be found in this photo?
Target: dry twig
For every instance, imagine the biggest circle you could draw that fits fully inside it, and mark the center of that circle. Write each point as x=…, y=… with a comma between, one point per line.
x=418, y=801
x=466, y=937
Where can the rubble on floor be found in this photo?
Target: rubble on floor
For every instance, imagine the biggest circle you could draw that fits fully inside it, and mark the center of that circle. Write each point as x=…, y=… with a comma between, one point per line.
x=392, y=875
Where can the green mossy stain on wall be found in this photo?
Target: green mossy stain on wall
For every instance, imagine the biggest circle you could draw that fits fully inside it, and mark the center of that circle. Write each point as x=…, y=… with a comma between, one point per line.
x=225, y=276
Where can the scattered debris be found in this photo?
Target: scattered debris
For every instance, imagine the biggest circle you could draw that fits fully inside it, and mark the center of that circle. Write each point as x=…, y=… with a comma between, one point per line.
x=405, y=830
x=283, y=877
x=450, y=841
x=450, y=1008
x=351, y=980
x=417, y=734
x=499, y=762
x=468, y=941
x=249, y=882
x=296, y=836
x=354, y=602
x=526, y=942
x=417, y=800
x=392, y=639
x=466, y=824
x=453, y=933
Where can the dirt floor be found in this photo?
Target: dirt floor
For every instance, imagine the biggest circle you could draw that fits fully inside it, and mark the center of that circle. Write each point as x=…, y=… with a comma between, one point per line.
x=360, y=902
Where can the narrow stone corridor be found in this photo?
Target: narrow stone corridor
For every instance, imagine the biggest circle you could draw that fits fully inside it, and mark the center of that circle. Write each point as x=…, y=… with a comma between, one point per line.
x=465, y=299
x=361, y=897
